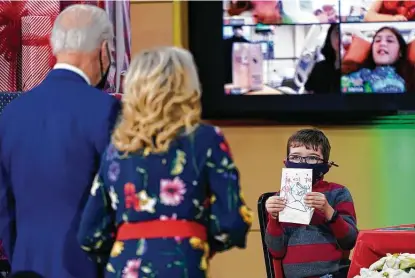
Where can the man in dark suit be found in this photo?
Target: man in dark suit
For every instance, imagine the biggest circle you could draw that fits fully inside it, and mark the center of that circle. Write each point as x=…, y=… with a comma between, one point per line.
x=51, y=141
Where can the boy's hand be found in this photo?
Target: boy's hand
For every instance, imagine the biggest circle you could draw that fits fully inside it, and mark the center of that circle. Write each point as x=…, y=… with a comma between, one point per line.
x=318, y=201
x=274, y=205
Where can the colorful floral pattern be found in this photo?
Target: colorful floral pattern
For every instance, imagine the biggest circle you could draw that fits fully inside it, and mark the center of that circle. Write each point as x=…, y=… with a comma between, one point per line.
x=131, y=269
x=172, y=186
x=172, y=191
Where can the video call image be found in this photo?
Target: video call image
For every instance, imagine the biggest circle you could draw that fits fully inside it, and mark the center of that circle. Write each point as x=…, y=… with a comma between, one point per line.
x=284, y=59
x=370, y=50
x=378, y=57
x=376, y=10
x=280, y=12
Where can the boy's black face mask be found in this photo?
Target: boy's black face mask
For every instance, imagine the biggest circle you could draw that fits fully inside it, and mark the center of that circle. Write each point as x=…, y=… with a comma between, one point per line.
x=319, y=170
x=104, y=73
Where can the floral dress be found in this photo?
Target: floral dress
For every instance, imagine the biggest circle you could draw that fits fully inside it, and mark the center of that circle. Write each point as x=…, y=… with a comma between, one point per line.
x=195, y=180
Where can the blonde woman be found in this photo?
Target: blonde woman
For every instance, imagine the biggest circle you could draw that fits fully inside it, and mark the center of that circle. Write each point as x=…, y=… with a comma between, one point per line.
x=167, y=196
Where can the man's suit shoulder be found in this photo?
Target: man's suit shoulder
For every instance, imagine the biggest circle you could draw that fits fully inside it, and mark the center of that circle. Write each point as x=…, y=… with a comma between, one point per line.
x=93, y=99
x=104, y=102
x=99, y=95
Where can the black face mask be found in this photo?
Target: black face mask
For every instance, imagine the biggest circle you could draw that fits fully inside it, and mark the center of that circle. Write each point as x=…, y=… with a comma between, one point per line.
x=319, y=170
x=104, y=73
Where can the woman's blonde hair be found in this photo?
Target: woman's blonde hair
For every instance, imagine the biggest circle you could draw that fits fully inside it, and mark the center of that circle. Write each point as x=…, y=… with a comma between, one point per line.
x=161, y=98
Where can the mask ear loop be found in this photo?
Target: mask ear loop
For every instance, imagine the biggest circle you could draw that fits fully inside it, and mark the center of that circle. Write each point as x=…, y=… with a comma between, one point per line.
x=332, y=163
x=100, y=64
x=108, y=54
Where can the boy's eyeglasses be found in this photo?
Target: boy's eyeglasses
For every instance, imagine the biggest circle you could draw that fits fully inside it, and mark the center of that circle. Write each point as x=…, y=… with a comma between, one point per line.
x=307, y=159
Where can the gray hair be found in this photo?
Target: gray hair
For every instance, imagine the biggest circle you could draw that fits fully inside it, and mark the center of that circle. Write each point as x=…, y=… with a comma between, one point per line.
x=81, y=28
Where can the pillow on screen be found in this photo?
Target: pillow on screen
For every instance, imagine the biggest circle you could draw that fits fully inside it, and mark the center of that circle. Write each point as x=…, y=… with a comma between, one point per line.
x=411, y=52
x=358, y=50
x=355, y=55
x=349, y=67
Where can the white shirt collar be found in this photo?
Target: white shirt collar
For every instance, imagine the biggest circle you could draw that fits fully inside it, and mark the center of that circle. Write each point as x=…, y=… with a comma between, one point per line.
x=73, y=69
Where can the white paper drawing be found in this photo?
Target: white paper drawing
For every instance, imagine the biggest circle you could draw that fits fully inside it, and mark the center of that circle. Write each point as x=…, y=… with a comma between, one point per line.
x=295, y=184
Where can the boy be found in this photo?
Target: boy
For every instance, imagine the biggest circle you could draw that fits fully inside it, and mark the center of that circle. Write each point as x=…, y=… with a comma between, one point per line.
x=316, y=250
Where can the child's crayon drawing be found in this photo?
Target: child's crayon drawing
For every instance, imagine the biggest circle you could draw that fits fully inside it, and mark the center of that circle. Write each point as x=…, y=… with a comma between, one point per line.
x=295, y=184
x=295, y=188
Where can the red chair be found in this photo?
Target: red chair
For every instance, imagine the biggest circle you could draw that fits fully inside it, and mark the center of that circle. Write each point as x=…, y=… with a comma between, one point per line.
x=273, y=267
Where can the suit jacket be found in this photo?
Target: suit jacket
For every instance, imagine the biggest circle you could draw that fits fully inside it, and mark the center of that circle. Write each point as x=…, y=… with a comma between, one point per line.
x=51, y=141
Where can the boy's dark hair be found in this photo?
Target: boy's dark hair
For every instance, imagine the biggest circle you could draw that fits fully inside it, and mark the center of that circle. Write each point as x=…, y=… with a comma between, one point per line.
x=25, y=274
x=311, y=138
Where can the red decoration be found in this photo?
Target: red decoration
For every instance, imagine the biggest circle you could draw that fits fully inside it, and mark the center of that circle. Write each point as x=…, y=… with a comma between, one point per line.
x=10, y=42
x=25, y=53
x=402, y=10
x=36, y=51
x=411, y=13
x=391, y=5
x=409, y=4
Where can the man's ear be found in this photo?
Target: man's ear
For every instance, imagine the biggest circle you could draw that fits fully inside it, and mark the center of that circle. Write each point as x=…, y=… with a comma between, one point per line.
x=284, y=161
x=104, y=46
x=105, y=50
x=105, y=53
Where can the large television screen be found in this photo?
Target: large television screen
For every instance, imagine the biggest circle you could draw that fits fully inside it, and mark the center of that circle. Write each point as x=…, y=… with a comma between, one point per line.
x=339, y=56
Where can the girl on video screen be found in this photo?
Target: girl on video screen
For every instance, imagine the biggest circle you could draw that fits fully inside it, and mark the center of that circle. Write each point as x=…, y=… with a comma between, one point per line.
x=325, y=76
x=386, y=69
x=395, y=10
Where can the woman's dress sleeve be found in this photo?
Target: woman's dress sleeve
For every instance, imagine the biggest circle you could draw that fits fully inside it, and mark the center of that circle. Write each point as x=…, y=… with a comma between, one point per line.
x=230, y=218
x=97, y=227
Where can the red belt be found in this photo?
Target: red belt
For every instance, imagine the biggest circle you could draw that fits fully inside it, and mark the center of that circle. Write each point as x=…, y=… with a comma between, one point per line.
x=161, y=229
